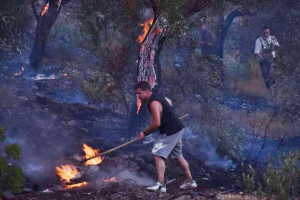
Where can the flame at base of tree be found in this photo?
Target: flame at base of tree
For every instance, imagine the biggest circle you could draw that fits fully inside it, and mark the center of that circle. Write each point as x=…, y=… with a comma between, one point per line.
x=147, y=24
x=148, y=51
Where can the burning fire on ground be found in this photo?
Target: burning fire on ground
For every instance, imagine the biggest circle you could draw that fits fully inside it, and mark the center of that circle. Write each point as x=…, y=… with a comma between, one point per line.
x=70, y=172
x=90, y=152
x=20, y=72
x=147, y=24
x=67, y=173
x=109, y=180
x=76, y=185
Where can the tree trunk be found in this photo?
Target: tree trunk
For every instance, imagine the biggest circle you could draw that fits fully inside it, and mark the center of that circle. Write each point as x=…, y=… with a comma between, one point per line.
x=46, y=20
x=224, y=27
x=148, y=68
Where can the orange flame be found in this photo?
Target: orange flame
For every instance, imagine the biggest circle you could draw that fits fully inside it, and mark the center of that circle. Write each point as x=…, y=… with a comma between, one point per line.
x=109, y=180
x=147, y=24
x=158, y=31
x=139, y=104
x=76, y=185
x=90, y=152
x=46, y=7
x=137, y=61
x=19, y=73
x=67, y=172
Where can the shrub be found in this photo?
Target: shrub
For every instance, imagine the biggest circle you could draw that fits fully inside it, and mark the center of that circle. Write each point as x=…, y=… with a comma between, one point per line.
x=280, y=181
x=11, y=177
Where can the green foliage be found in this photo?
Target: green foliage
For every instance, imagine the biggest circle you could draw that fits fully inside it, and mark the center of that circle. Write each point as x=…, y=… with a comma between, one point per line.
x=13, y=150
x=249, y=181
x=11, y=177
x=281, y=182
x=2, y=135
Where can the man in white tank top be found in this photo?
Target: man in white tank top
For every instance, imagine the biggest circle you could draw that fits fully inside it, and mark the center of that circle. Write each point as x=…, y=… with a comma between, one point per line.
x=265, y=51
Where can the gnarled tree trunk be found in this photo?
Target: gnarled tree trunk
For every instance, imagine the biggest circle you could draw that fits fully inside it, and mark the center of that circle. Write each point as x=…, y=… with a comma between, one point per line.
x=45, y=19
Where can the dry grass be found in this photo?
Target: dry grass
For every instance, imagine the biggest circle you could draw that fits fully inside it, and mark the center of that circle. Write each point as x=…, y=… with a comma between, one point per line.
x=236, y=197
x=252, y=87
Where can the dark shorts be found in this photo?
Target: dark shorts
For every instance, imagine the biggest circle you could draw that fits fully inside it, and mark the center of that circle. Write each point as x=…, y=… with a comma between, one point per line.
x=168, y=146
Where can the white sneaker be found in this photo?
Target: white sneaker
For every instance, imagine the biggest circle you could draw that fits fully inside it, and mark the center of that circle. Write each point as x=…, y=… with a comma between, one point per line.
x=158, y=187
x=190, y=185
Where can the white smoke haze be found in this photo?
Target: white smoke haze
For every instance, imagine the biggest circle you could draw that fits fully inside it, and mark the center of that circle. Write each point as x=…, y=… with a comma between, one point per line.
x=208, y=152
x=146, y=14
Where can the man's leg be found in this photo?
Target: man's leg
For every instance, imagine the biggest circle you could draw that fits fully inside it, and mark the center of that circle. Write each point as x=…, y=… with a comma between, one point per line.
x=160, y=168
x=184, y=166
x=265, y=69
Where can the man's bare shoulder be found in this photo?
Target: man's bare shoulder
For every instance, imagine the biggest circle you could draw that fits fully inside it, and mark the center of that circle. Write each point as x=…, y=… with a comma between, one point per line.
x=154, y=105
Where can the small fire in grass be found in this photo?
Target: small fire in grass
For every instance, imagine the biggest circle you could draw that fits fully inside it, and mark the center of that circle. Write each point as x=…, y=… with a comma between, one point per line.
x=147, y=24
x=46, y=7
x=76, y=185
x=20, y=72
x=109, y=179
x=70, y=172
x=67, y=173
x=90, y=152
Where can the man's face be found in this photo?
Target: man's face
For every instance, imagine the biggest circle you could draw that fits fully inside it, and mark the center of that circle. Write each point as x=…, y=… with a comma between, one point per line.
x=266, y=32
x=143, y=95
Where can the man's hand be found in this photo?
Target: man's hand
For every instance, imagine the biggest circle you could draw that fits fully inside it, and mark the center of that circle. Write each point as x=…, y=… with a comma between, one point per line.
x=142, y=135
x=259, y=57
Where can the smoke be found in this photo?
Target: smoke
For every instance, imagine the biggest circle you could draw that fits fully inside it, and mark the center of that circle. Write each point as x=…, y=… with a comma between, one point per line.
x=146, y=14
x=139, y=178
x=200, y=146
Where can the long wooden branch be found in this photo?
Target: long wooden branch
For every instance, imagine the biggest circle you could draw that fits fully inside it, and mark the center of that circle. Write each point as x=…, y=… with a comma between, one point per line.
x=123, y=145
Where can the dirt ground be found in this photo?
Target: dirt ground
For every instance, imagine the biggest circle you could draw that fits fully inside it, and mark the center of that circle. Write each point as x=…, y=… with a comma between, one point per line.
x=128, y=191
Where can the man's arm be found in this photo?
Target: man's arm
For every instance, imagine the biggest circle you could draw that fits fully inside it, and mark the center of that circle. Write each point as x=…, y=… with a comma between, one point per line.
x=156, y=110
x=257, y=49
x=276, y=43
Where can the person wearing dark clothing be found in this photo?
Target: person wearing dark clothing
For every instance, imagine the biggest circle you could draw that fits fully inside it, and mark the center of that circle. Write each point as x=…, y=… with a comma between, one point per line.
x=169, y=142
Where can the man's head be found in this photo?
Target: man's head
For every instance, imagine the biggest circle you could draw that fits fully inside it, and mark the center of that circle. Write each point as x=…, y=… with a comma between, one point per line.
x=266, y=31
x=143, y=90
x=201, y=26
